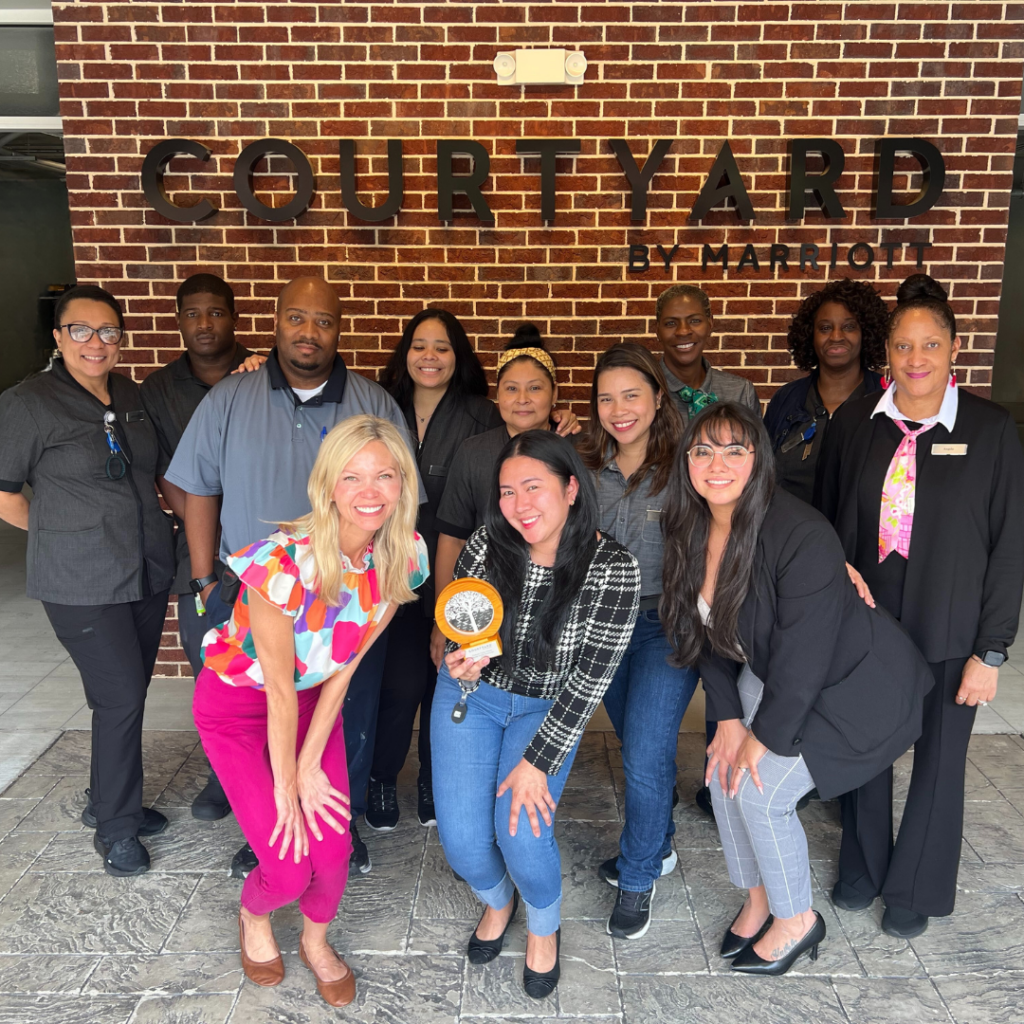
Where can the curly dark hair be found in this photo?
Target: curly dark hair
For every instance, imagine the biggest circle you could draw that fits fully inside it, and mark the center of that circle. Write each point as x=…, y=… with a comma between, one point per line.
x=868, y=309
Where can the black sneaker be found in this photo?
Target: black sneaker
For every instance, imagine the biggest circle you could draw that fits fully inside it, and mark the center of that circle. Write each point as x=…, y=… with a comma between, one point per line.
x=632, y=914
x=425, y=804
x=212, y=803
x=610, y=873
x=703, y=801
x=124, y=857
x=382, y=813
x=243, y=862
x=153, y=822
x=360, y=859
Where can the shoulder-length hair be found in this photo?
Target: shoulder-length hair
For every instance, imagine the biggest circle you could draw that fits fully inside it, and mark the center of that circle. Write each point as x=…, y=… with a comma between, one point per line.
x=508, y=553
x=686, y=522
x=394, y=548
x=469, y=377
x=597, y=447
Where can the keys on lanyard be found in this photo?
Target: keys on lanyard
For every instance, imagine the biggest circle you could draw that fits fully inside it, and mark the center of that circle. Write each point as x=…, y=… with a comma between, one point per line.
x=461, y=709
x=117, y=461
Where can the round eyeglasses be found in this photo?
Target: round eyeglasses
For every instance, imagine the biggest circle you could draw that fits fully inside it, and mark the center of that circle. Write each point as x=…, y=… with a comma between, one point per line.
x=733, y=455
x=82, y=333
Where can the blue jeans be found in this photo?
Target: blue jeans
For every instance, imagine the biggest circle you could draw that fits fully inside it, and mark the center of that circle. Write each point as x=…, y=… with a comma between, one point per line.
x=470, y=760
x=646, y=702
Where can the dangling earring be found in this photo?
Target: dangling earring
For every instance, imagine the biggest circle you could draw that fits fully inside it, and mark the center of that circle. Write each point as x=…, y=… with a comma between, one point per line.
x=886, y=379
x=952, y=375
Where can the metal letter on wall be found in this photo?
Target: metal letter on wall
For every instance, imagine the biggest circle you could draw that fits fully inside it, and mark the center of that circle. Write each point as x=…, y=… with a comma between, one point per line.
x=933, y=172
x=153, y=168
x=800, y=182
x=250, y=157
x=714, y=190
x=548, y=149
x=396, y=186
x=639, y=179
x=448, y=183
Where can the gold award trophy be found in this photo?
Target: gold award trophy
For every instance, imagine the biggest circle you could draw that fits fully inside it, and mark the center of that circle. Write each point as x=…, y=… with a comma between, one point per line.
x=469, y=611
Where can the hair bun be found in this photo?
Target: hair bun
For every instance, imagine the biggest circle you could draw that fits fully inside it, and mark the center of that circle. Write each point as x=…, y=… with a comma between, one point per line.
x=920, y=286
x=526, y=336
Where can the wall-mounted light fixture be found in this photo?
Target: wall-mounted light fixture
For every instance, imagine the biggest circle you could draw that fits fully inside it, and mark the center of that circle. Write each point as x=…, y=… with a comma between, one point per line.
x=540, y=67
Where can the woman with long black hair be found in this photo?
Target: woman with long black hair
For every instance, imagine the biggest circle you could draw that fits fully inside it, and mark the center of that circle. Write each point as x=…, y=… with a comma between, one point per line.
x=925, y=485
x=630, y=447
x=809, y=686
x=570, y=600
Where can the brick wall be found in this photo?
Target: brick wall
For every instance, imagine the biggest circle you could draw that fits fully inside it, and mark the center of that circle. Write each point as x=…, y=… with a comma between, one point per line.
x=757, y=74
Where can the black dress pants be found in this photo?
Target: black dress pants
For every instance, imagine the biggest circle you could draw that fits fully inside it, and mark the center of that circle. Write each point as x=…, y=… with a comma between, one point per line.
x=114, y=647
x=360, y=720
x=408, y=685
x=919, y=871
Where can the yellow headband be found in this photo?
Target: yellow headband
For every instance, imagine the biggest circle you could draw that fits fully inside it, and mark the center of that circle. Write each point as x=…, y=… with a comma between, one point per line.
x=537, y=354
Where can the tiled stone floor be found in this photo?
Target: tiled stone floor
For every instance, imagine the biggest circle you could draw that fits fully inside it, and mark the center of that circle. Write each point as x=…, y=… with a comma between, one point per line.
x=79, y=946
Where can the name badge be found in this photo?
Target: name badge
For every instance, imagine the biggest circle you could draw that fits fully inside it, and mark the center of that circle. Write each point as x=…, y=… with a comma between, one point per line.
x=437, y=471
x=136, y=416
x=654, y=515
x=949, y=449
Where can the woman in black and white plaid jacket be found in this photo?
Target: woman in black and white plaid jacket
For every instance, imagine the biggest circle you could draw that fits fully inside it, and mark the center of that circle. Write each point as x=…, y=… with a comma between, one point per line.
x=504, y=732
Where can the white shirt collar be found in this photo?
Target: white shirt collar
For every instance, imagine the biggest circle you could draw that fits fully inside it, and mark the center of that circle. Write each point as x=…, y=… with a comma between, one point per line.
x=946, y=414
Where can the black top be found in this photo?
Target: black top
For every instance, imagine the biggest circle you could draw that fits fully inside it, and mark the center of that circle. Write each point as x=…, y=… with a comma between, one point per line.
x=843, y=683
x=797, y=421
x=462, y=506
x=170, y=396
x=91, y=540
x=965, y=573
x=455, y=419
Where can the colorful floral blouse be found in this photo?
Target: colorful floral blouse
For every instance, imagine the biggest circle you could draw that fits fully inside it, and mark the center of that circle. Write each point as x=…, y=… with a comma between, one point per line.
x=281, y=570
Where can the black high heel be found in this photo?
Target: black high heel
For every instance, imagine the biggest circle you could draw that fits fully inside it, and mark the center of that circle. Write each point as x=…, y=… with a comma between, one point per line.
x=537, y=985
x=748, y=962
x=481, y=951
x=733, y=944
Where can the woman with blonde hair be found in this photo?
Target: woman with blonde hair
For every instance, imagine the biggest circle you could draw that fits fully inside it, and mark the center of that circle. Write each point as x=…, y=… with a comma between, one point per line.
x=313, y=598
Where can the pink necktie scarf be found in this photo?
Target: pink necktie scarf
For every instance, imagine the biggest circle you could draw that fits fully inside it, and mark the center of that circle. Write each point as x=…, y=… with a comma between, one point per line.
x=896, y=518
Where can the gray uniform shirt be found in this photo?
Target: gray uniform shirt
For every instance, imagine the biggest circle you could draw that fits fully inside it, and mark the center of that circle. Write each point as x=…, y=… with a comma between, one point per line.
x=634, y=520
x=726, y=387
x=252, y=441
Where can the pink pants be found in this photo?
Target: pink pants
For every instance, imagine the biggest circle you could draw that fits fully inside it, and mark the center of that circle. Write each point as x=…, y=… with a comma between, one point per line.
x=232, y=724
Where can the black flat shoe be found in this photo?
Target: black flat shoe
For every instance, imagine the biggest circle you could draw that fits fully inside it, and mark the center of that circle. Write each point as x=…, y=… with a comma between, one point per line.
x=123, y=858
x=540, y=986
x=845, y=897
x=243, y=862
x=733, y=944
x=212, y=803
x=748, y=962
x=483, y=951
x=903, y=924
x=153, y=822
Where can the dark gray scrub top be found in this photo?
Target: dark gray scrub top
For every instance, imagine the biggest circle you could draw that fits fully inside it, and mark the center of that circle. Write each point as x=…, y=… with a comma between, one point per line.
x=171, y=395
x=469, y=483
x=91, y=540
x=726, y=387
x=252, y=441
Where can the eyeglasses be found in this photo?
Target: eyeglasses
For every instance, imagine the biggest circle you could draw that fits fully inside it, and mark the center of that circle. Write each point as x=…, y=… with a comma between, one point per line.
x=733, y=455
x=82, y=333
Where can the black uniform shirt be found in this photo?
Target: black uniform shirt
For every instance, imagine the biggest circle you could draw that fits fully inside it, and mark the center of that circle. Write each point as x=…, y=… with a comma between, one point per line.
x=469, y=482
x=171, y=395
x=91, y=540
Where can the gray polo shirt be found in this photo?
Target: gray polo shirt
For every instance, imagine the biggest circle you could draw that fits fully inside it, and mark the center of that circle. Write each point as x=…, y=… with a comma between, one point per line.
x=252, y=441
x=634, y=520
x=726, y=387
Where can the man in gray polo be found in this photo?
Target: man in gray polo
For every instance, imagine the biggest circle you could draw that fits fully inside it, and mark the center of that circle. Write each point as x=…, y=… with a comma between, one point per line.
x=245, y=459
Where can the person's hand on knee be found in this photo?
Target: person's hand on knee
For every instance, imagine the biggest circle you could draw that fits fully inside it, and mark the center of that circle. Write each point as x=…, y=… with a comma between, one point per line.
x=318, y=797
x=289, y=828
x=529, y=786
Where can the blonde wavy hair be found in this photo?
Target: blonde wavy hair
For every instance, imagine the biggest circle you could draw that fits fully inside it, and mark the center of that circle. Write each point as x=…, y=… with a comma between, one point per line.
x=393, y=545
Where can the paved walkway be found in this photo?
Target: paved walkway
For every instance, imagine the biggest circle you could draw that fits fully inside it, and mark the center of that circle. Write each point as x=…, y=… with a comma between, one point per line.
x=79, y=946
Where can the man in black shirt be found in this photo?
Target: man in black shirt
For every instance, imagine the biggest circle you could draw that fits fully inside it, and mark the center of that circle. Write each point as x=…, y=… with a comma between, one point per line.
x=206, y=319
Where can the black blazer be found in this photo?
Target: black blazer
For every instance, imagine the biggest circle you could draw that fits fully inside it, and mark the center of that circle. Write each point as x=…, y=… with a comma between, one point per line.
x=843, y=683
x=962, y=590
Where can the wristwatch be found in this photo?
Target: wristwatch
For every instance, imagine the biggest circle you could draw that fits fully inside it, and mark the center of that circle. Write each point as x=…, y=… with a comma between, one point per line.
x=197, y=587
x=992, y=658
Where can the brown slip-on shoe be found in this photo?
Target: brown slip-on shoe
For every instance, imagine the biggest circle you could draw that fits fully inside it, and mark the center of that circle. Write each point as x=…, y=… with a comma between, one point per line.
x=334, y=993
x=267, y=973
